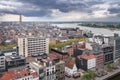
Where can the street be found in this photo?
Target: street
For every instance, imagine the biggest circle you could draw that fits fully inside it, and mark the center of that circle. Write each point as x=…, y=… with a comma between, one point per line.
x=66, y=78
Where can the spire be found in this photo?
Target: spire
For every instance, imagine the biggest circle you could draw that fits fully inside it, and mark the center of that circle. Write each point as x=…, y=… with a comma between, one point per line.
x=20, y=19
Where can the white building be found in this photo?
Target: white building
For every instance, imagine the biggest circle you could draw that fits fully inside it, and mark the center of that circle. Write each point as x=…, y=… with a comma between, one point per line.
x=87, y=61
x=91, y=63
x=71, y=68
x=2, y=62
x=31, y=45
x=50, y=68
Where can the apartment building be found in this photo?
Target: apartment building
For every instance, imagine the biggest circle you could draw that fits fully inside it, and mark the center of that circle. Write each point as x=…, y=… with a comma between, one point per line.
x=109, y=40
x=31, y=45
x=15, y=62
x=2, y=62
x=50, y=68
x=87, y=61
x=108, y=54
x=115, y=41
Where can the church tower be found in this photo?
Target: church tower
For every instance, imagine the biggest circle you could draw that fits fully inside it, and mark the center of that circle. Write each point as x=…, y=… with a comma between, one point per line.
x=20, y=18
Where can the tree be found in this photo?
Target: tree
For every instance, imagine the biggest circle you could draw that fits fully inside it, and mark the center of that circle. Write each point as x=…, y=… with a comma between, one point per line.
x=86, y=76
x=90, y=75
x=119, y=61
x=62, y=44
x=109, y=67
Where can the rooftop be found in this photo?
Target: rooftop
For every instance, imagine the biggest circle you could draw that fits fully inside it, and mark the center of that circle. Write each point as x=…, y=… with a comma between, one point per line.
x=16, y=74
x=37, y=64
x=86, y=56
x=59, y=51
x=11, y=58
x=71, y=63
x=52, y=58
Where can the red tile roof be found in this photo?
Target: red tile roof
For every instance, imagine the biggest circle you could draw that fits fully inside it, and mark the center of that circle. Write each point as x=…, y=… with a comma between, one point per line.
x=86, y=56
x=71, y=63
x=51, y=57
x=15, y=74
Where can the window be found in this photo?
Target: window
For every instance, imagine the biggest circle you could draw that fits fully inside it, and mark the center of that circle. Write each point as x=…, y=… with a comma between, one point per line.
x=2, y=58
x=2, y=61
x=52, y=71
x=47, y=73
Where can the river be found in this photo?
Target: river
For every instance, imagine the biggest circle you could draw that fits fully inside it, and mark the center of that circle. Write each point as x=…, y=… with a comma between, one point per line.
x=97, y=31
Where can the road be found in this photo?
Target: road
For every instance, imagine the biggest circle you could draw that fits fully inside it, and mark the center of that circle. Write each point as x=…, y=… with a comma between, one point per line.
x=66, y=78
x=109, y=74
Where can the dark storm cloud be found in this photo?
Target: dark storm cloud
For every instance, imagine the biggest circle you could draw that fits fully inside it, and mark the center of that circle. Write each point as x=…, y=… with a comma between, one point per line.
x=24, y=8
x=64, y=5
x=41, y=8
x=114, y=10
x=44, y=7
x=55, y=4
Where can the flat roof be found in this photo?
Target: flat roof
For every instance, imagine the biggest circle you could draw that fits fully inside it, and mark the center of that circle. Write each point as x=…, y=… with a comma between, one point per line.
x=37, y=64
x=13, y=58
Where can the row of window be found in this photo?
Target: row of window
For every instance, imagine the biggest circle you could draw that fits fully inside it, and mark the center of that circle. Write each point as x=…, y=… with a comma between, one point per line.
x=2, y=58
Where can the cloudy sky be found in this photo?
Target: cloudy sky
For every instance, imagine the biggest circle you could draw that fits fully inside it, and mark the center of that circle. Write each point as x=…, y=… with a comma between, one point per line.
x=60, y=10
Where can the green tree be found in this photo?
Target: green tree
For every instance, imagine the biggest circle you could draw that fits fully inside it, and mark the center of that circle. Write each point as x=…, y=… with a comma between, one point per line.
x=109, y=67
x=62, y=44
x=7, y=46
x=90, y=75
x=119, y=61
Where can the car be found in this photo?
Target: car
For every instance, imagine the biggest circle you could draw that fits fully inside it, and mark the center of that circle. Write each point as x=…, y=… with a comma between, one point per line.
x=99, y=74
x=104, y=73
x=116, y=67
x=67, y=75
x=76, y=75
x=34, y=55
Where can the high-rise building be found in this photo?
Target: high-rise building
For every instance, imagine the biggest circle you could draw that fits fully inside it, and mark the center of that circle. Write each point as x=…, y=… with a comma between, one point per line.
x=2, y=62
x=108, y=54
x=32, y=45
x=115, y=41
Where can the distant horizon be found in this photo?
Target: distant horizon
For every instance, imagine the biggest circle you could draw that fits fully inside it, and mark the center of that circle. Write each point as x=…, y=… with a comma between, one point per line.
x=64, y=21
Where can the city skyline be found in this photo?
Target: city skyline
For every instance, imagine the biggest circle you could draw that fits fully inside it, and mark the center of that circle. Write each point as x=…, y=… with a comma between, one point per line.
x=60, y=10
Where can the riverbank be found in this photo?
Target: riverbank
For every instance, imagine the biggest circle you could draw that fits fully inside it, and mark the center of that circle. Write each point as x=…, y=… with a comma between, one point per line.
x=114, y=77
x=110, y=75
x=99, y=25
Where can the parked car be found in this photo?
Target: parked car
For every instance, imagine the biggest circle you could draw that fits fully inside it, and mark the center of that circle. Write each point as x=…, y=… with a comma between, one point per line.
x=99, y=74
x=104, y=73
x=67, y=75
x=116, y=67
x=76, y=75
